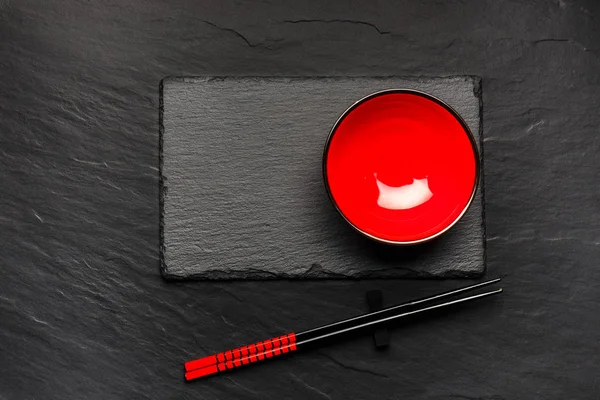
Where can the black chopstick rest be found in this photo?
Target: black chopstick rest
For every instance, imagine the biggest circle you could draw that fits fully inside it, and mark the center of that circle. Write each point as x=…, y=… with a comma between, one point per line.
x=381, y=336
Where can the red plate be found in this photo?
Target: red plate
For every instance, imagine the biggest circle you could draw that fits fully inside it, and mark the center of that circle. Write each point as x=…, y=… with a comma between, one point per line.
x=401, y=166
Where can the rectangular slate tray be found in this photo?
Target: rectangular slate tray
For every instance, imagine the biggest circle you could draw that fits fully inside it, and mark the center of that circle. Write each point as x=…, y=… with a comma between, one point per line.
x=242, y=193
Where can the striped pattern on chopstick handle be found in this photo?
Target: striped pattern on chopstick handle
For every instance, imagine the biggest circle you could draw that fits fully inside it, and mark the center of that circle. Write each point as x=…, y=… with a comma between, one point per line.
x=241, y=356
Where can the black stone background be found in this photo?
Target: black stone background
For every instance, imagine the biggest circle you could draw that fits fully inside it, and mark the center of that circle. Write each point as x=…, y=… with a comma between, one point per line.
x=84, y=311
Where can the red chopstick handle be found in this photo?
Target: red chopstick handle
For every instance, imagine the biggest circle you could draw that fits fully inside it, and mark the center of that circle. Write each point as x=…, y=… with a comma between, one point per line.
x=241, y=356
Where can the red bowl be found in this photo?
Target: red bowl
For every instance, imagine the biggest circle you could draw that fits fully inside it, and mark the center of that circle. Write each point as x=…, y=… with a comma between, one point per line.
x=401, y=166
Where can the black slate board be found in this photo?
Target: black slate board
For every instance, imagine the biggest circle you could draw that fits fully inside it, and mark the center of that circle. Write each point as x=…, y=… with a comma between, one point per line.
x=243, y=196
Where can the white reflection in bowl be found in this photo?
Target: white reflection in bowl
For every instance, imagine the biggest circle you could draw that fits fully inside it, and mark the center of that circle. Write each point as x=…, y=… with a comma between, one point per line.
x=403, y=197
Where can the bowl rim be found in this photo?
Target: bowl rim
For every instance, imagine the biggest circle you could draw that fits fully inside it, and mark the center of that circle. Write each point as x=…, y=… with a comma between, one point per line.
x=446, y=106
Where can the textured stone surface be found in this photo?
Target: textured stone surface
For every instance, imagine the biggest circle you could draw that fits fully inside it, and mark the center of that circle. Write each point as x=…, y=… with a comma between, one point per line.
x=84, y=311
x=243, y=186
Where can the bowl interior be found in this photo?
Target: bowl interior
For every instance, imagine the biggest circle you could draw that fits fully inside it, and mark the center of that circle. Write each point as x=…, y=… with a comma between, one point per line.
x=401, y=166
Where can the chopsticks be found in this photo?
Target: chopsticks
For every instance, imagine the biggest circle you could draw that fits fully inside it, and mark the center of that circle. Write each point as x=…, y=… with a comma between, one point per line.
x=294, y=341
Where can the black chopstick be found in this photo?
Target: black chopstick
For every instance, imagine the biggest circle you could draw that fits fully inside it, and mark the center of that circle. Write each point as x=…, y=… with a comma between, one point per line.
x=291, y=342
